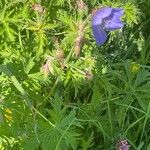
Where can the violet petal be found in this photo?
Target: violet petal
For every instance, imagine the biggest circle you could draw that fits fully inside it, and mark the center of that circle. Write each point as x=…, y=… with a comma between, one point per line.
x=100, y=14
x=113, y=24
x=118, y=12
x=100, y=35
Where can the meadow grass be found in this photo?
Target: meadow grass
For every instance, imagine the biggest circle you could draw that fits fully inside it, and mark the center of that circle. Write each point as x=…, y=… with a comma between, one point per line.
x=59, y=90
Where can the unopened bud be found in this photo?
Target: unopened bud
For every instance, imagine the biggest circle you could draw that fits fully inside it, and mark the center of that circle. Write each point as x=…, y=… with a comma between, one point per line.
x=93, y=12
x=47, y=67
x=38, y=8
x=45, y=70
x=88, y=75
x=60, y=57
x=81, y=5
x=79, y=43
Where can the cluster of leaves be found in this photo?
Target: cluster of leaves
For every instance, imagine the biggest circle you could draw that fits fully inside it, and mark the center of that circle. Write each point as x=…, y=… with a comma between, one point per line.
x=59, y=90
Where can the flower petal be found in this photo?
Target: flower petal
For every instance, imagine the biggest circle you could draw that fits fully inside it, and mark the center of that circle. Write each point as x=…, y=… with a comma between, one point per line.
x=100, y=14
x=100, y=35
x=118, y=11
x=113, y=23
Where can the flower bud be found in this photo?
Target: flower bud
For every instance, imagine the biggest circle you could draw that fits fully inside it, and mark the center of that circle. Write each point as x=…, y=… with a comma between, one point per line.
x=81, y=5
x=88, y=75
x=47, y=67
x=79, y=42
x=60, y=57
x=38, y=8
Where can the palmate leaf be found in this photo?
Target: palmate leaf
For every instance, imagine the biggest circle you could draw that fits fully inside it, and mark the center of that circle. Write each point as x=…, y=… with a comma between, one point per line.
x=28, y=65
x=31, y=144
x=66, y=124
x=54, y=138
x=10, y=20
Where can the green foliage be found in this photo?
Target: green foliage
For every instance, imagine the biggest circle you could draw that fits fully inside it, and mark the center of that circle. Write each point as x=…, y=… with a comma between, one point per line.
x=59, y=90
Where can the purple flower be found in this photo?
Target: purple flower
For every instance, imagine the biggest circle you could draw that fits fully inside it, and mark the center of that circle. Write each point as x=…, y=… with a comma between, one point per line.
x=106, y=19
x=123, y=145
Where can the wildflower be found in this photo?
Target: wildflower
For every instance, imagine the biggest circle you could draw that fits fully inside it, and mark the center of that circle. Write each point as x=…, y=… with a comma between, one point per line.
x=123, y=145
x=106, y=19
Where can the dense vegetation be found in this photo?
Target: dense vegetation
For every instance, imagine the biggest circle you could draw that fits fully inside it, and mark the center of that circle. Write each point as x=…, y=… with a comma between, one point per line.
x=59, y=90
